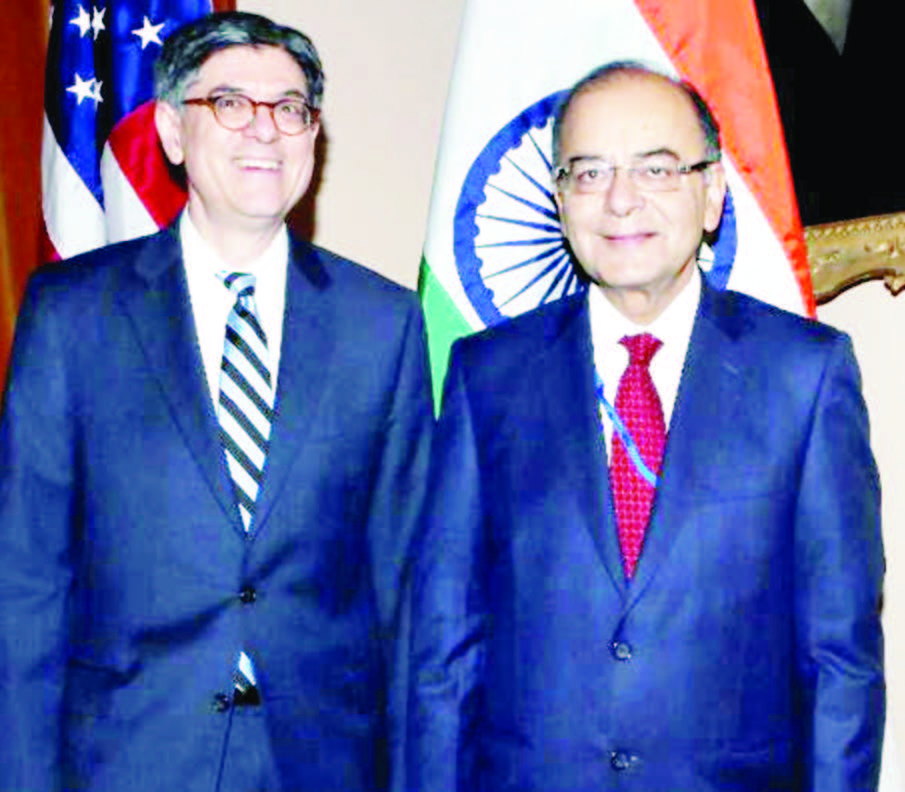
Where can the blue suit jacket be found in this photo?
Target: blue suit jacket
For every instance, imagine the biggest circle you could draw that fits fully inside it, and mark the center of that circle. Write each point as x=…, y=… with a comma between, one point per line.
x=122, y=554
x=746, y=654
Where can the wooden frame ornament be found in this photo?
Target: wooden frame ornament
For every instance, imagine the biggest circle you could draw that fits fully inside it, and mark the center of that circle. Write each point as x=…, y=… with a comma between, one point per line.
x=845, y=253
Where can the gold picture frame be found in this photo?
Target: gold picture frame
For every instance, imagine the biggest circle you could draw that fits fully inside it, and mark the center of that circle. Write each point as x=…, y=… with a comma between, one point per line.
x=845, y=253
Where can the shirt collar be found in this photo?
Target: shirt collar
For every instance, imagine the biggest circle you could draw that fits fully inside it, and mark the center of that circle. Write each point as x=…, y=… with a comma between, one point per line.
x=674, y=325
x=198, y=252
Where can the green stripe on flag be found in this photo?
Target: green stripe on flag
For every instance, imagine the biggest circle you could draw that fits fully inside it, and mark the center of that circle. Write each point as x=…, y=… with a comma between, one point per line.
x=444, y=325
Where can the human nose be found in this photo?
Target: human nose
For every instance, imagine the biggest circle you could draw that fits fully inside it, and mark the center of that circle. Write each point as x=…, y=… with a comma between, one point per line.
x=263, y=126
x=623, y=196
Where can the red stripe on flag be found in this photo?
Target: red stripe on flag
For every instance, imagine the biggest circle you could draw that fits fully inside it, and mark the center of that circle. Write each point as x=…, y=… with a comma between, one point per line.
x=137, y=149
x=716, y=45
x=47, y=249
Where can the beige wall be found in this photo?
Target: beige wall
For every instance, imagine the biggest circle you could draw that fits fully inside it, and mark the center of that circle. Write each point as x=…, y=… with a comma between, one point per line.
x=387, y=68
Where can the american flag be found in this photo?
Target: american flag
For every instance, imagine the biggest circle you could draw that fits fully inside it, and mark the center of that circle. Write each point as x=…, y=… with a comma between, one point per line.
x=104, y=176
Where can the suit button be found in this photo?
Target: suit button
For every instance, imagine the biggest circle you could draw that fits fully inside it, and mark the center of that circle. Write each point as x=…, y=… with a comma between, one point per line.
x=621, y=760
x=622, y=651
x=248, y=595
x=220, y=702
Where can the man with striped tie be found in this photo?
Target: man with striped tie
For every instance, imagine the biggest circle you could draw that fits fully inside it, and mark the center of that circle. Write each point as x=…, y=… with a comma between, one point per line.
x=652, y=559
x=212, y=450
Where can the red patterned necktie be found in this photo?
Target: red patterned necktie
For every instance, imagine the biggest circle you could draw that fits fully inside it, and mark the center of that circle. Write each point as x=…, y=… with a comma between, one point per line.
x=638, y=407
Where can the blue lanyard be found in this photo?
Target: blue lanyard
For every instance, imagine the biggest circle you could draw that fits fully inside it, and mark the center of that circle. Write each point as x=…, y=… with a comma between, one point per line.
x=633, y=453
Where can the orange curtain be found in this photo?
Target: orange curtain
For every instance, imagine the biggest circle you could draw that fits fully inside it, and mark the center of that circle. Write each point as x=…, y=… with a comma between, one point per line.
x=23, y=41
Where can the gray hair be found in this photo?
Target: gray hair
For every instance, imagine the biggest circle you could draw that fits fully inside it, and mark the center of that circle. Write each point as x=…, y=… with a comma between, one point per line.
x=186, y=50
x=709, y=126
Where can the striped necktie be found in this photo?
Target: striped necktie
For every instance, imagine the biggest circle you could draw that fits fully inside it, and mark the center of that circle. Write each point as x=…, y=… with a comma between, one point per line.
x=245, y=410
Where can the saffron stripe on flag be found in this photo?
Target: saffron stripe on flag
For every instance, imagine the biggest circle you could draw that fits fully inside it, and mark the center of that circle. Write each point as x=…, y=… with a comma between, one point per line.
x=695, y=36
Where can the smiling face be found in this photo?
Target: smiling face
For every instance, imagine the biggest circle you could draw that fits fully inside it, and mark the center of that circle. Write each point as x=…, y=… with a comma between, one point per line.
x=240, y=180
x=639, y=247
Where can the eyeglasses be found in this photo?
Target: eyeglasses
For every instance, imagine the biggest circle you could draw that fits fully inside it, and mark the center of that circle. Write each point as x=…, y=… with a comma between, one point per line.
x=236, y=112
x=658, y=174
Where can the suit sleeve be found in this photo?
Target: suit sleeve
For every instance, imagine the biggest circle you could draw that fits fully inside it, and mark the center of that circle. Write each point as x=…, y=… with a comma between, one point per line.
x=839, y=577
x=37, y=477
x=396, y=500
x=448, y=616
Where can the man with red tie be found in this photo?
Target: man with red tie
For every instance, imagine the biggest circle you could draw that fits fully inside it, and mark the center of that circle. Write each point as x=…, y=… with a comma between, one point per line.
x=652, y=556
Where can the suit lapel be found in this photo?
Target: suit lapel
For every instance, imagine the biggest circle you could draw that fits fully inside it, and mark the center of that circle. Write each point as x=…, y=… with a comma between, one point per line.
x=711, y=383
x=308, y=346
x=161, y=314
x=571, y=404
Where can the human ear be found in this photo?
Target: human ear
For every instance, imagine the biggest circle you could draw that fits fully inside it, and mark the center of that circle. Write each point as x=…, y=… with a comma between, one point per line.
x=169, y=129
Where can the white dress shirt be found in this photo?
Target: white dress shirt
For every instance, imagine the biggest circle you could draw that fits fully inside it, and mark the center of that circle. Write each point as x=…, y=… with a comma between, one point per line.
x=212, y=300
x=673, y=327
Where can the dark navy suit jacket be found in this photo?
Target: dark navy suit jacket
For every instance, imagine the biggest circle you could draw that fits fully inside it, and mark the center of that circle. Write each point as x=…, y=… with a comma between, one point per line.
x=746, y=654
x=122, y=555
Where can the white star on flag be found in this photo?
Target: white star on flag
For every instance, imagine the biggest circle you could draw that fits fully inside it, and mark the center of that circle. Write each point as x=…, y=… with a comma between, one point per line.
x=97, y=20
x=105, y=176
x=82, y=21
x=148, y=33
x=84, y=89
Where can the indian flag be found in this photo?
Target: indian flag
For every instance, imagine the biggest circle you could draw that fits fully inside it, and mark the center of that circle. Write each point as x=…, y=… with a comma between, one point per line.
x=494, y=247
